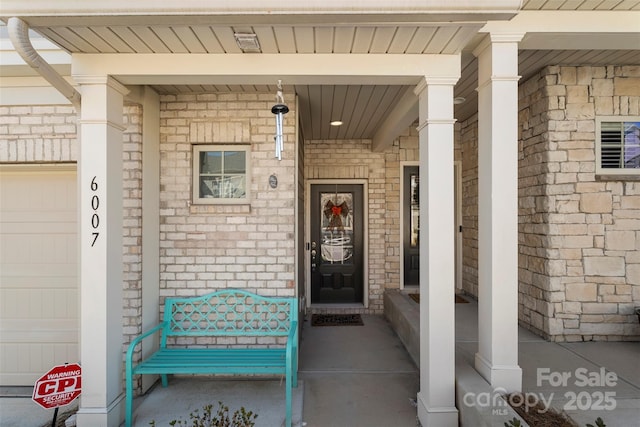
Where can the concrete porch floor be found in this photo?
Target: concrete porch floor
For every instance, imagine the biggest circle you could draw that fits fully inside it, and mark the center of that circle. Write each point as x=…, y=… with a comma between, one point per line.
x=363, y=376
x=542, y=362
x=349, y=376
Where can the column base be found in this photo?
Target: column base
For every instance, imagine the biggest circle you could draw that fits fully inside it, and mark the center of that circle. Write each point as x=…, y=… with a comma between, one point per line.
x=436, y=416
x=507, y=377
x=111, y=416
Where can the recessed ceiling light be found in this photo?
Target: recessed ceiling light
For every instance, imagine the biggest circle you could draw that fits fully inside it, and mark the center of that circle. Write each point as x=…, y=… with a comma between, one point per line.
x=248, y=42
x=459, y=100
x=336, y=123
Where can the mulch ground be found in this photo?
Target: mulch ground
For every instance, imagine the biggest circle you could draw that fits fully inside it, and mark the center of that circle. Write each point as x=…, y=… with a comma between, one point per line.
x=537, y=415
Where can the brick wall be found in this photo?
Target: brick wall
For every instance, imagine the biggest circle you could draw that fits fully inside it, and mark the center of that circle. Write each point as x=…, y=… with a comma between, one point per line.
x=132, y=224
x=579, y=235
x=404, y=149
x=37, y=134
x=47, y=134
x=208, y=247
x=353, y=159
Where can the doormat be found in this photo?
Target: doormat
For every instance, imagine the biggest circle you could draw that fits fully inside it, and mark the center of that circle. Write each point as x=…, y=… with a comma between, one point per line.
x=459, y=299
x=336, y=320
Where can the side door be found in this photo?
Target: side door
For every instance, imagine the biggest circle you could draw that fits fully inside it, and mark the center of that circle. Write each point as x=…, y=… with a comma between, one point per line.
x=411, y=225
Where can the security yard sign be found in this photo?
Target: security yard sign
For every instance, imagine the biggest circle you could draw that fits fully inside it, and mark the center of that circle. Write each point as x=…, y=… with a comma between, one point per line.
x=58, y=387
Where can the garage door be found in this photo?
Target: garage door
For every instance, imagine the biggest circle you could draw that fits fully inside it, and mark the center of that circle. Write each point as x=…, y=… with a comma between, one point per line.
x=38, y=277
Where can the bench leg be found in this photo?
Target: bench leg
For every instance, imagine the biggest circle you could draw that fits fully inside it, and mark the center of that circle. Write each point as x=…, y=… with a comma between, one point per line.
x=129, y=401
x=295, y=368
x=288, y=401
x=163, y=378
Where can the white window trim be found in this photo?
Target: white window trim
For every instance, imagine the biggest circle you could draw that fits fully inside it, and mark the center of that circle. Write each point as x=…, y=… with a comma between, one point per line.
x=600, y=171
x=195, y=180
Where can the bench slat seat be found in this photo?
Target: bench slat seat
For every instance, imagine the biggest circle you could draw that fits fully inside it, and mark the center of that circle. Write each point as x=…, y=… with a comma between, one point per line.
x=225, y=313
x=213, y=361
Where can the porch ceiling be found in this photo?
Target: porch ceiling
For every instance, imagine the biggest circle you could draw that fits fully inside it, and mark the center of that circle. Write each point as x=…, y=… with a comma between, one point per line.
x=362, y=107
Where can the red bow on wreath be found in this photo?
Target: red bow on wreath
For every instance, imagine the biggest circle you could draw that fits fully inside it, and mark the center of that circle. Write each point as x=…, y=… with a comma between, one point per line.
x=335, y=213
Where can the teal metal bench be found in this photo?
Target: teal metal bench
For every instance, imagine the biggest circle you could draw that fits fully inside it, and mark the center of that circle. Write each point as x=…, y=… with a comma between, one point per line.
x=225, y=313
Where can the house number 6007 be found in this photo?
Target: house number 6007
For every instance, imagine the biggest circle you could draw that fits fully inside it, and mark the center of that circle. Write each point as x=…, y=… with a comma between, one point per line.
x=95, y=218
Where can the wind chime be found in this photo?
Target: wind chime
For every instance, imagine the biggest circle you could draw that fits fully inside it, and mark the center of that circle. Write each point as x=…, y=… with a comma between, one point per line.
x=280, y=109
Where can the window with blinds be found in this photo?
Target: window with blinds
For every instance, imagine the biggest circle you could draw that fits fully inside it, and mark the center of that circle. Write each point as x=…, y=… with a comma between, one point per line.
x=618, y=145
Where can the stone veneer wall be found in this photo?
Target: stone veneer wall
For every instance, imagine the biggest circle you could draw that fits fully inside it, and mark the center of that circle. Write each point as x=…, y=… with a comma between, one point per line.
x=469, y=155
x=592, y=242
x=579, y=235
x=208, y=247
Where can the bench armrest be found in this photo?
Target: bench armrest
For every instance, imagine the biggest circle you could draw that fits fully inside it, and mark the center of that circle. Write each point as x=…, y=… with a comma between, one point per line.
x=292, y=340
x=137, y=341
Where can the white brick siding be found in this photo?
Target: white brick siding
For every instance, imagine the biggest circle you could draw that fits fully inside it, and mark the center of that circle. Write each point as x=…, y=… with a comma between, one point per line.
x=208, y=247
x=37, y=134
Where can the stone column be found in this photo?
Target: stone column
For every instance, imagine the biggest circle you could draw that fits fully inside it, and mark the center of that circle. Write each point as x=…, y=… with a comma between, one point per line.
x=101, y=265
x=436, y=399
x=497, y=358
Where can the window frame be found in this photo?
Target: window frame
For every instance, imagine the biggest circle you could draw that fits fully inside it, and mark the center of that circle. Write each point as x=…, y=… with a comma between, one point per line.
x=600, y=171
x=195, y=177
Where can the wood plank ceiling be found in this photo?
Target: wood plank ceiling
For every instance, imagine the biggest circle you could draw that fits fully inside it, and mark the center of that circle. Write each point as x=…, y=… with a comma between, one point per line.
x=361, y=107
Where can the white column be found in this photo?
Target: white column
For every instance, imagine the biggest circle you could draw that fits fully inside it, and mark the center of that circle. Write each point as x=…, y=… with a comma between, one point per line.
x=436, y=399
x=100, y=206
x=497, y=358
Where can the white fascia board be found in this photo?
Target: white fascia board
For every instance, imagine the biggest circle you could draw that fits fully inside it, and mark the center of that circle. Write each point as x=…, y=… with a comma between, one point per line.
x=29, y=91
x=152, y=69
x=12, y=57
x=69, y=8
x=568, y=21
x=559, y=29
x=51, y=53
x=40, y=44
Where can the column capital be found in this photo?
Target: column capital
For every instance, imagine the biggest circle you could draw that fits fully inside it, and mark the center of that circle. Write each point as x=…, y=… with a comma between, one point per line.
x=101, y=80
x=495, y=79
x=493, y=38
x=435, y=81
x=427, y=122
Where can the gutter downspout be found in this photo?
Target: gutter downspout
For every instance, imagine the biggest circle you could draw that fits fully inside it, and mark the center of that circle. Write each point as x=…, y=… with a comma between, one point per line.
x=19, y=35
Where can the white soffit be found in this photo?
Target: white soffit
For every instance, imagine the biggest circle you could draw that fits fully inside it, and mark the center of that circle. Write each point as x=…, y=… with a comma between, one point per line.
x=581, y=5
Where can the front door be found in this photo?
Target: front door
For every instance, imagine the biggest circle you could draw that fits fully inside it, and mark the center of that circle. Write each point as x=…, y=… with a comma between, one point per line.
x=336, y=243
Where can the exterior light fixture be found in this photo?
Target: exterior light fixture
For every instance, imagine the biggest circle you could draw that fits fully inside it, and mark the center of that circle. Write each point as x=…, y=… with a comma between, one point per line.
x=459, y=100
x=336, y=123
x=247, y=42
x=280, y=109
